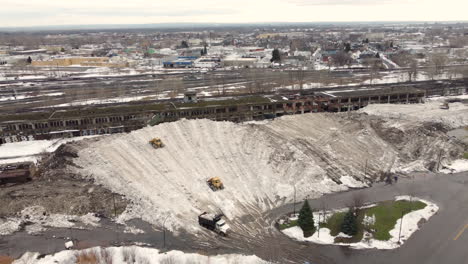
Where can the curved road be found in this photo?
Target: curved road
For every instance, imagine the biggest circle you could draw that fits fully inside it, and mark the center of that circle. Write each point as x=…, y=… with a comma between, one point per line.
x=443, y=239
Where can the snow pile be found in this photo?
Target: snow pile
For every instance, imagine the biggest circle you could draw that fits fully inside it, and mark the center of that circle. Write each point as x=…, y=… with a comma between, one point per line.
x=456, y=116
x=9, y=226
x=136, y=255
x=36, y=219
x=260, y=164
x=410, y=225
x=26, y=151
x=456, y=166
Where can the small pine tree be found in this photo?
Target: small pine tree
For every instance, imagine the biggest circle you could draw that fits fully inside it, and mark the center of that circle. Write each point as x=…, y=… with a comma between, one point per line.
x=205, y=51
x=29, y=60
x=306, y=220
x=184, y=44
x=347, y=47
x=276, y=57
x=349, y=226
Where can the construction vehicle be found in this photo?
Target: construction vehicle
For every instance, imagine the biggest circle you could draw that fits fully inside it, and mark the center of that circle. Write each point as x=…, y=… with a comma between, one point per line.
x=215, y=184
x=214, y=223
x=156, y=143
x=445, y=106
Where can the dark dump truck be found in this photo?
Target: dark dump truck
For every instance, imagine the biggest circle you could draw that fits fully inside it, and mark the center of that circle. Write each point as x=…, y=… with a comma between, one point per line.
x=213, y=222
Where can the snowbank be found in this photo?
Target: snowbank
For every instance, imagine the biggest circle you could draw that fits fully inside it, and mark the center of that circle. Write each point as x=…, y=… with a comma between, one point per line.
x=410, y=225
x=456, y=166
x=455, y=117
x=138, y=255
x=38, y=220
x=26, y=150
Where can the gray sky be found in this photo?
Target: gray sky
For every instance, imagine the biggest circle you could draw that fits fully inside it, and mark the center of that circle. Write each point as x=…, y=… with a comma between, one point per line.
x=16, y=13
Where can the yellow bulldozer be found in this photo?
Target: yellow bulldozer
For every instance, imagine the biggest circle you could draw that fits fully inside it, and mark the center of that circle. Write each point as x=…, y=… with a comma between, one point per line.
x=156, y=143
x=215, y=184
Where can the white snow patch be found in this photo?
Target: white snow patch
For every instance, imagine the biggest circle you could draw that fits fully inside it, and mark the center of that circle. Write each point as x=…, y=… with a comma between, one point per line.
x=25, y=150
x=135, y=254
x=39, y=219
x=456, y=166
x=351, y=182
x=455, y=117
x=9, y=226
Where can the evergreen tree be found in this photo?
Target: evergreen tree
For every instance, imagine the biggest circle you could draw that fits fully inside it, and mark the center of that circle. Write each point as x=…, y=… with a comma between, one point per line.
x=29, y=60
x=347, y=47
x=349, y=226
x=184, y=44
x=205, y=51
x=276, y=57
x=306, y=220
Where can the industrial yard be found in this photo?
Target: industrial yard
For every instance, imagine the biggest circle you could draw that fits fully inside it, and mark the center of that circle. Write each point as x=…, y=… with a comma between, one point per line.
x=228, y=143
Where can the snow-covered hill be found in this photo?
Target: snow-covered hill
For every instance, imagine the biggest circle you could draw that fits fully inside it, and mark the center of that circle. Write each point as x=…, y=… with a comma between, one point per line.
x=260, y=163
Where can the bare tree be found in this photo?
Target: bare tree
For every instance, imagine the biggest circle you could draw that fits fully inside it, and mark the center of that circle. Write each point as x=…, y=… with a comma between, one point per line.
x=358, y=199
x=374, y=65
x=438, y=61
x=300, y=74
x=341, y=59
x=413, y=70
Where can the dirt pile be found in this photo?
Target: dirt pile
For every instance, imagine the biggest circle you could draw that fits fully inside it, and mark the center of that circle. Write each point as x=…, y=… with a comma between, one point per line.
x=59, y=191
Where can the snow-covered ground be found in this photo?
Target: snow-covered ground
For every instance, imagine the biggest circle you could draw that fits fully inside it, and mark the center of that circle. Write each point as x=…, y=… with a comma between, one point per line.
x=455, y=117
x=30, y=150
x=456, y=166
x=39, y=220
x=125, y=255
x=410, y=225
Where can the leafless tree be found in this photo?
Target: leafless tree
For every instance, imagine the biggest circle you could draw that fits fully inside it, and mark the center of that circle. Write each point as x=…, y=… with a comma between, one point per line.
x=300, y=74
x=341, y=59
x=358, y=199
x=438, y=61
x=374, y=65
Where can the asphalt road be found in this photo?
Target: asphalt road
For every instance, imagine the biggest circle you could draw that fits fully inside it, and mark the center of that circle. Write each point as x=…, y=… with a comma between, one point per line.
x=443, y=239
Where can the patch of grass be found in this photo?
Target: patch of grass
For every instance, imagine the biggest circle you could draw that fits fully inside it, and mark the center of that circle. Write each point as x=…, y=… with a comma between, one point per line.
x=387, y=214
x=334, y=223
x=291, y=224
x=465, y=156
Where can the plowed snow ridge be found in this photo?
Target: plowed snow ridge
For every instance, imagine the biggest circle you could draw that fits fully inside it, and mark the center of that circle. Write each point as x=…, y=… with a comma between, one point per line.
x=258, y=163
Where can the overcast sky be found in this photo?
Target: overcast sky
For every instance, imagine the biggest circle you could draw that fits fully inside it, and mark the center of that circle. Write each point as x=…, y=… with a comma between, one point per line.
x=17, y=13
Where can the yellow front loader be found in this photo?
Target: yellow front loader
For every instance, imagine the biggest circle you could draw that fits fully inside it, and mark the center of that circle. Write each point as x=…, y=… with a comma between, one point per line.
x=156, y=143
x=215, y=184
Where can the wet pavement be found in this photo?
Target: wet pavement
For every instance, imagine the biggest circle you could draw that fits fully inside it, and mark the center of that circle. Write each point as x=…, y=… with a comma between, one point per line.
x=442, y=239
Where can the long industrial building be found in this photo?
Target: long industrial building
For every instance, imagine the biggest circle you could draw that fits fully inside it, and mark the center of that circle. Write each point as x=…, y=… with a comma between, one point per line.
x=124, y=118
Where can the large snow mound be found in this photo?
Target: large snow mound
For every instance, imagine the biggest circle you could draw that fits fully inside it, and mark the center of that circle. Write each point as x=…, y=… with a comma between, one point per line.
x=259, y=163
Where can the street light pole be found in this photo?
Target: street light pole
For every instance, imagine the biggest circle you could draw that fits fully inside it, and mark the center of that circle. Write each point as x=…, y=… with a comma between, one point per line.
x=401, y=224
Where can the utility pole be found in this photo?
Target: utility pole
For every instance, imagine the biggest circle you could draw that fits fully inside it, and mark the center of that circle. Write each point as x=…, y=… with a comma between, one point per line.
x=440, y=157
x=294, y=210
x=365, y=170
x=115, y=208
x=318, y=227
